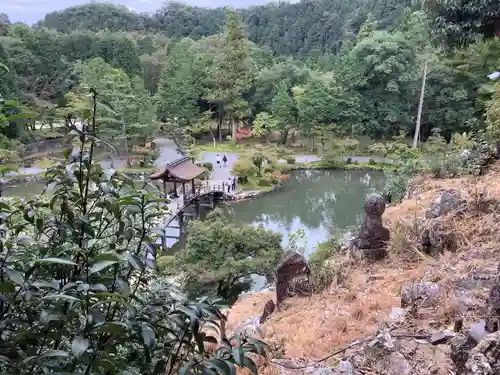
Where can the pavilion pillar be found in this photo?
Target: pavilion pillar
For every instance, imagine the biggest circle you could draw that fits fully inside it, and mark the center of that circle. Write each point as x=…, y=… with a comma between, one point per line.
x=165, y=188
x=184, y=189
x=193, y=187
x=175, y=189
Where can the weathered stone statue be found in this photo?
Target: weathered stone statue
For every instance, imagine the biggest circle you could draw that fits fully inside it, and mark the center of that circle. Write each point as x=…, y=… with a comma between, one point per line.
x=371, y=242
x=292, y=277
x=268, y=310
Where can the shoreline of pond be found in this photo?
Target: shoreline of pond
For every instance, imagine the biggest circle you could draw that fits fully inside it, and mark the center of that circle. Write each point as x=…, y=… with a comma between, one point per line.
x=240, y=196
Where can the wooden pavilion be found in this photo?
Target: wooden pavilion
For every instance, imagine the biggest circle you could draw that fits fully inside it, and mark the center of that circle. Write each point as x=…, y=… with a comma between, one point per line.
x=180, y=171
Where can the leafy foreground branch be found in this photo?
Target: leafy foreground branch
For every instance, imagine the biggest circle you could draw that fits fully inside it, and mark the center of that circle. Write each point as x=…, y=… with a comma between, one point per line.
x=79, y=287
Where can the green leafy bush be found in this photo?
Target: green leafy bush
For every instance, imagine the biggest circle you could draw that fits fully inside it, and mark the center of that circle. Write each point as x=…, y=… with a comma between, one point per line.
x=372, y=161
x=264, y=182
x=257, y=160
x=80, y=288
x=209, y=166
x=332, y=162
x=321, y=271
x=219, y=254
x=378, y=149
x=243, y=169
x=290, y=160
x=268, y=169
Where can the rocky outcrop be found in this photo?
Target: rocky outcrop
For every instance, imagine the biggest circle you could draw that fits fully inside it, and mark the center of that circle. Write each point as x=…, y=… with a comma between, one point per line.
x=292, y=277
x=492, y=318
x=449, y=200
x=484, y=359
x=371, y=243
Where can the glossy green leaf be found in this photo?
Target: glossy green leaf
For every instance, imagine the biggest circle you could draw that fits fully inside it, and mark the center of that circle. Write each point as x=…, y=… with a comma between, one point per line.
x=221, y=366
x=57, y=261
x=124, y=287
x=54, y=353
x=112, y=327
x=15, y=276
x=249, y=364
x=136, y=263
x=148, y=336
x=238, y=356
x=79, y=346
x=101, y=266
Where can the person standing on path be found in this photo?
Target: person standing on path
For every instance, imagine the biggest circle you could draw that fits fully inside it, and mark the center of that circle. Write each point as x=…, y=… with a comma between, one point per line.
x=233, y=184
x=224, y=160
x=229, y=185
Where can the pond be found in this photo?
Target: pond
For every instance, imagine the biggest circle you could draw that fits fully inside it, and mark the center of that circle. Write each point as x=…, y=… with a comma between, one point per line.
x=319, y=202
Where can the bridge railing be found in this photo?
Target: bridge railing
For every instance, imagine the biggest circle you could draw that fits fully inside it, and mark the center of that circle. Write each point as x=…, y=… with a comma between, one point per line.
x=181, y=204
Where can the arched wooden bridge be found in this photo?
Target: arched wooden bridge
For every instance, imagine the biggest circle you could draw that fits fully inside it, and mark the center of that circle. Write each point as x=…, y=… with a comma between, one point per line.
x=182, y=172
x=212, y=191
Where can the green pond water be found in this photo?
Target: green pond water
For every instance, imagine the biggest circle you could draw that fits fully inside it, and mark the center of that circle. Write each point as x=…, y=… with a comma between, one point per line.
x=320, y=203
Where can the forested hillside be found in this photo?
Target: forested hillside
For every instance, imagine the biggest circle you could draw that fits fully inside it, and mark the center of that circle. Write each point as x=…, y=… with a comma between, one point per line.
x=300, y=28
x=344, y=67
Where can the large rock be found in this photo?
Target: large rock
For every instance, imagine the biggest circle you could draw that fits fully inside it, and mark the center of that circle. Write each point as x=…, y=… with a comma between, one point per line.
x=449, y=200
x=292, y=277
x=371, y=243
x=492, y=318
x=484, y=359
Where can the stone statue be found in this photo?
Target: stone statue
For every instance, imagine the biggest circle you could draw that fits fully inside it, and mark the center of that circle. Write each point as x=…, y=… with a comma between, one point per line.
x=371, y=242
x=268, y=310
x=292, y=277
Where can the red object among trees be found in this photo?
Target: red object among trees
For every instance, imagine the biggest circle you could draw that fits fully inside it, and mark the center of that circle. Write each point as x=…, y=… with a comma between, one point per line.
x=243, y=133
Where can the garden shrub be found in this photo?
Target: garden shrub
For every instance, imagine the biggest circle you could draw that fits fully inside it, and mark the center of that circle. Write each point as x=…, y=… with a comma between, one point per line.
x=264, y=182
x=268, y=169
x=209, y=166
x=333, y=163
x=273, y=178
x=87, y=297
x=378, y=149
x=321, y=272
x=258, y=159
x=290, y=159
x=372, y=161
x=243, y=169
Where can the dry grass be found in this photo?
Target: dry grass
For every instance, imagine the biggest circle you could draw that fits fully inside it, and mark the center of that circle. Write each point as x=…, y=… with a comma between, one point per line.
x=314, y=327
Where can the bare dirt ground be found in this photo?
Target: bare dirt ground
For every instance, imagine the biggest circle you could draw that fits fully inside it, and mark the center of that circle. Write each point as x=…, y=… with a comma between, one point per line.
x=314, y=327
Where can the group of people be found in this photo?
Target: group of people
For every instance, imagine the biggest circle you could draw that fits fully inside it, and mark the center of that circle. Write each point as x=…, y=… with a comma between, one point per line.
x=221, y=161
x=230, y=185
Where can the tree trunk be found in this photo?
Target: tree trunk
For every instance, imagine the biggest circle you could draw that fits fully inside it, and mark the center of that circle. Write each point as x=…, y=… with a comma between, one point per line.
x=416, y=137
x=219, y=129
x=284, y=136
x=234, y=129
x=219, y=124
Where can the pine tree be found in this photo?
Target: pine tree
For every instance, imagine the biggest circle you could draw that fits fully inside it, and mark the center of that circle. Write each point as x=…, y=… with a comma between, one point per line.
x=232, y=73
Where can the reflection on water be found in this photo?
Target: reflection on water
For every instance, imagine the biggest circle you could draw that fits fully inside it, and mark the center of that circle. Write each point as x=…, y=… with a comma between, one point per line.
x=316, y=201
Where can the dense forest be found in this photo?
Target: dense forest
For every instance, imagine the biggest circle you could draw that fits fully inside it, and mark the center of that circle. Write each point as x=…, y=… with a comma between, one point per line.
x=348, y=67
